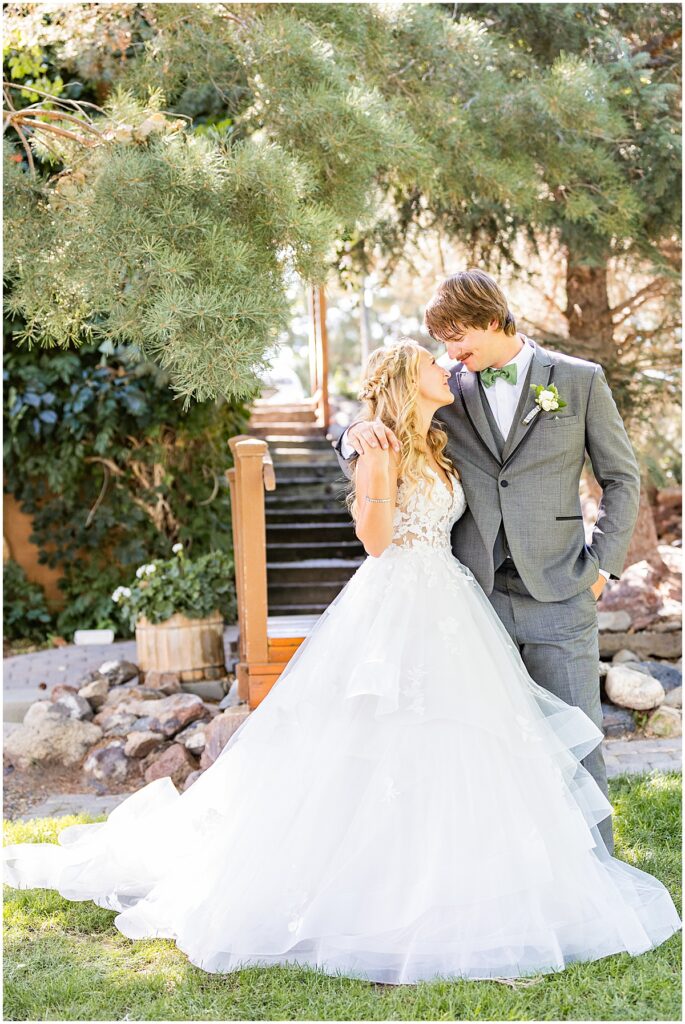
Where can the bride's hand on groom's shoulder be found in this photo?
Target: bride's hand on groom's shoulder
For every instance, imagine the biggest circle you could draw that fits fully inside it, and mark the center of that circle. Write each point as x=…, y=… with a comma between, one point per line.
x=370, y=436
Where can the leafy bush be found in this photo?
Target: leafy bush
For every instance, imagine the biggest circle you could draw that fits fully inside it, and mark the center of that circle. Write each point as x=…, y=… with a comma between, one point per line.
x=193, y=587
x=111, y=469
x=25, y=612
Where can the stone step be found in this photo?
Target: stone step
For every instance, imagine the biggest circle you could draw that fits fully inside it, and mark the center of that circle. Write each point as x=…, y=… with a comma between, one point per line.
x=285, y=407
x=296, y=516
x=302, y=533
x=276, y=501
x=303, y=551
x=307, y=488
x=317, y=442
x=299, y=594
x=313, y=570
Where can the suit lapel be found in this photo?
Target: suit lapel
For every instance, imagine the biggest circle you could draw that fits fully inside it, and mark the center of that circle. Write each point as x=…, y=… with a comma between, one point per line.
x=467, y=383
x=540, y=372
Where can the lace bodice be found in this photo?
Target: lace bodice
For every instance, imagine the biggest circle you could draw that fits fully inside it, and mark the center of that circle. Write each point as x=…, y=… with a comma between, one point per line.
x=425, y=516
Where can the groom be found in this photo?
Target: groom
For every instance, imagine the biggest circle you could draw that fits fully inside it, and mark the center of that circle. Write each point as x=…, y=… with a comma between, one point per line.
x=520, y=462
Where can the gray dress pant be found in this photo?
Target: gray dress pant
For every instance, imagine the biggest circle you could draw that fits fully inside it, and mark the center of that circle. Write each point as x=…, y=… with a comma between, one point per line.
x=559, y=644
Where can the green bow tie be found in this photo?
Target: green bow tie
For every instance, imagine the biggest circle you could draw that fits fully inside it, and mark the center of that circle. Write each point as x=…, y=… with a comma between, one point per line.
x=508, y=373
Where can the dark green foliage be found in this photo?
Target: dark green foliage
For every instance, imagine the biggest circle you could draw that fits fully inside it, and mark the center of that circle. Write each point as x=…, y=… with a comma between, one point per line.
x=112, y=469
x=24, y=609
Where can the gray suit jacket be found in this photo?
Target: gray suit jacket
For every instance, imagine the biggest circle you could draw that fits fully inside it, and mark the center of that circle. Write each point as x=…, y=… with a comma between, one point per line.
x=533, y=486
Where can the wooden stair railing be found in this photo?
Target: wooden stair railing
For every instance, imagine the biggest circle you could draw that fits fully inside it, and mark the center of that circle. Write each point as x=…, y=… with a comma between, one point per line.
x=265, y=644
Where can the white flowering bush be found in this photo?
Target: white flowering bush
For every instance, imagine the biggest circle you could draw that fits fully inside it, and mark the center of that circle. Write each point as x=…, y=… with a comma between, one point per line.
x=195, y=587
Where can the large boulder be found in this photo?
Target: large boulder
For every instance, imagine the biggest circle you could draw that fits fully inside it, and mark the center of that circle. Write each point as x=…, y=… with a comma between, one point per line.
x=130, y=692
x=631, y=689
x=175, y=763
x=193, y=736
x=219, y=732
x=648, y=643
x=674, y=698
x=51, y=738
x=193, y=777
x=613, y=622
x=61, y=690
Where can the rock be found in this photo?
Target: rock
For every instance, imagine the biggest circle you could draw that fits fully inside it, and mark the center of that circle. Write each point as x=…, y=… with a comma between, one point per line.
x=74, y=705
x=191, y=779
x=51, y=738
x=614, y=622
x=665, y=721
x=674, y=698
x=118, y=672
x=121, y=694
x=171, y=714
x=231, y=699
x=61, y=690
x=631, y=689
x=648, y=593
x=604, y=667
x=617, y=721
x=219, y=731
x=108, y=763
x=140, y=744
x=95, y=692
x=165, y=682
x=115, y=722
x=175, y=762
x=143, y=724
x=647, y=644
x=193, y=737
x=623, y=656
x=36, y=712
x=668, y=675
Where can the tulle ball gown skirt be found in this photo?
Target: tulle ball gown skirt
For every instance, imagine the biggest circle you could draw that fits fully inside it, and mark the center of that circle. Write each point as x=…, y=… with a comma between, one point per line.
x=405, y=804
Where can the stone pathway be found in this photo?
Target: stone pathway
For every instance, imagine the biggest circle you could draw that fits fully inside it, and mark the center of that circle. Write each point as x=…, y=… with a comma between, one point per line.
x=637, y=756
x=30, y=677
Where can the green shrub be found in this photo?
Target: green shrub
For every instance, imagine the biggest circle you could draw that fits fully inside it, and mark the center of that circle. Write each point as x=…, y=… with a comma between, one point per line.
x=25, y=612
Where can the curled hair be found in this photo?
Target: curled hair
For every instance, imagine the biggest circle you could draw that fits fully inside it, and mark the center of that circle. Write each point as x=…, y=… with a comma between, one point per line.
x=470, y=298
x=390, y=392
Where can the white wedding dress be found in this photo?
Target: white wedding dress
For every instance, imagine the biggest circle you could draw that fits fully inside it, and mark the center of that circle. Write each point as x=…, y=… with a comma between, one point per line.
x=406, y=803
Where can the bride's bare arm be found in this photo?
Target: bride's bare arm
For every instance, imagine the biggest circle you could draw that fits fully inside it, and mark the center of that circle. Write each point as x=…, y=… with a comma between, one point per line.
x=376, y=491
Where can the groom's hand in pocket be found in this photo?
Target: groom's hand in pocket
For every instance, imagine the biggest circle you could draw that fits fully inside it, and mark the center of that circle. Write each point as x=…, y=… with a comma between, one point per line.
x=599, y=586
x=371, y=434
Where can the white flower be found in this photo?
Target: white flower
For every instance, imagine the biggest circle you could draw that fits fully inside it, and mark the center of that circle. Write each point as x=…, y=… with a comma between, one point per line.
x=546, y=404
x=547, y=396
x=145, y=570
x=554, y=405
x=119, y=593
x=177, y=548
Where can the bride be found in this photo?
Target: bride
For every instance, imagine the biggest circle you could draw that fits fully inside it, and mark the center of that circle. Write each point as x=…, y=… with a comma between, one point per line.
x=407, y=802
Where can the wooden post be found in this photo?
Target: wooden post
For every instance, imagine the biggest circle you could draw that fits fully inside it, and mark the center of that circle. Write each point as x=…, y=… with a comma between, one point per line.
x=318, y=354
x=251, y=474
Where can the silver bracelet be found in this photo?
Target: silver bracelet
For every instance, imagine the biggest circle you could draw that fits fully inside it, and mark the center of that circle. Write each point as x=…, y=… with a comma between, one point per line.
x=376, y=500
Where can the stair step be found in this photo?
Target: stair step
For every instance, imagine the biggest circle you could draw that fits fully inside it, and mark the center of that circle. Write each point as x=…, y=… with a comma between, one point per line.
x=264, y=403
x=316, y=442
x=313, y=570
x=294, y=552
x=284, y=456
x=306, y=532
x=307, y=592
x=268, y=416
x=303, y=515
x=273, y=431
x=313, y=487
x=302, y=609
x=298, y=470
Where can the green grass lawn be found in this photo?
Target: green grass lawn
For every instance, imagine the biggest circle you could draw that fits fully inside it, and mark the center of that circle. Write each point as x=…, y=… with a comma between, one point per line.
x=67, y=961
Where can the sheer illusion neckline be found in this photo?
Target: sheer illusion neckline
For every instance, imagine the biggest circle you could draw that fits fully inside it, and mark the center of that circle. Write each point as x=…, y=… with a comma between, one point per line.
x=449, y=488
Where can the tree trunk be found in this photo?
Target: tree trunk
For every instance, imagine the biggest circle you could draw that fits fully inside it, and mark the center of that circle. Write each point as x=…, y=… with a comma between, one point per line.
x=591, y=337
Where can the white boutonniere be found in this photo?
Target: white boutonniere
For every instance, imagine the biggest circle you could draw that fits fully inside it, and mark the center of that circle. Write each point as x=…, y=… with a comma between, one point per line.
x=547, y=399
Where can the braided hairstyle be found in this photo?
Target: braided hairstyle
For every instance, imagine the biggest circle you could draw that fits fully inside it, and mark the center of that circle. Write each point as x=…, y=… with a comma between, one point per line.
x=390, y=391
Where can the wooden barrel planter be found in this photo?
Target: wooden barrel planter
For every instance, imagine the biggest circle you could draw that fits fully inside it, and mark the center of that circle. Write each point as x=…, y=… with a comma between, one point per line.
x=193, y=648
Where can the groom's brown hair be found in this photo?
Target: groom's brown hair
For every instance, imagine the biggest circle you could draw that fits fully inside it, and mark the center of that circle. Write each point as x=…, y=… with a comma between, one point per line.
x=470, y=298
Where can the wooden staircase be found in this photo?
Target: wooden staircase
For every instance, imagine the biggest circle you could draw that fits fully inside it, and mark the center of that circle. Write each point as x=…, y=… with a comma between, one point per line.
x=311, y=547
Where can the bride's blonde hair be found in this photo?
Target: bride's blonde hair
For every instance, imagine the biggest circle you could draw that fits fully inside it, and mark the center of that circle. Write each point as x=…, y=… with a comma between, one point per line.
x=390, y=392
